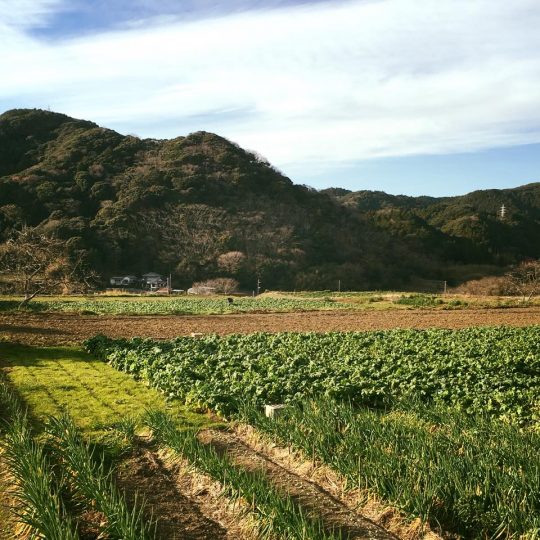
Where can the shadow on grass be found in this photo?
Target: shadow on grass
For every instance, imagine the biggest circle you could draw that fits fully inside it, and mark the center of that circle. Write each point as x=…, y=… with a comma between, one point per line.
x=36, y=424
x=30, y=330
x=13, y=305
x=17, y=354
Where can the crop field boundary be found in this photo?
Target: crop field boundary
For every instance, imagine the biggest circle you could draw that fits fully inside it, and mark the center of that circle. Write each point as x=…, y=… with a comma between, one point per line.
x=51, y=329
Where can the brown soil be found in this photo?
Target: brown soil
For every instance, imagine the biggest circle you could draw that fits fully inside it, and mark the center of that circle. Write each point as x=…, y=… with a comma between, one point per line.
x=311, y=497
x=89, y=523
x=185, y=505
x=8, y=504
x=61, y=328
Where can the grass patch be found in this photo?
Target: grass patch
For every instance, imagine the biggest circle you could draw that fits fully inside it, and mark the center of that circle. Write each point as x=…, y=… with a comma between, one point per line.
x=419, y=301
x=52, y=380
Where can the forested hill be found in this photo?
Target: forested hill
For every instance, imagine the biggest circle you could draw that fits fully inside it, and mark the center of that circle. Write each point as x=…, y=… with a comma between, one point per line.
x=200, y=206
x=473, y=222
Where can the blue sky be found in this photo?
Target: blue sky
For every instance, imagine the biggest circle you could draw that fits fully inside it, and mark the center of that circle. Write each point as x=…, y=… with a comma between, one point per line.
x=79, y=17
x=435, y=97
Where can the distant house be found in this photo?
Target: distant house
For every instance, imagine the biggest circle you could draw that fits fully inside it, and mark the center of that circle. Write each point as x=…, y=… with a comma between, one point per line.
x=153, y=281
x=123, y=281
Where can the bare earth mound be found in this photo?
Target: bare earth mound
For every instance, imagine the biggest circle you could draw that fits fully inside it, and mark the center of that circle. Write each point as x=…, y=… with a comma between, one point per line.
x=63, y=329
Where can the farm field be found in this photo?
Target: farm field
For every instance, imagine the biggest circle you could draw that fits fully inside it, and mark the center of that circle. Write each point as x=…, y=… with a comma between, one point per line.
x=67, y=328
x=50, y=381
x=442, y=424
x=272, y=302
x=100, y=402
x=392, y=431
x=494, y=370
x=184, y=305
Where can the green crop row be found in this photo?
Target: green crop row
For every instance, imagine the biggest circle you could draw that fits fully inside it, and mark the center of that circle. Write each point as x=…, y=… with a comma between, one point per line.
x=39, y=506
x=495, y=371
x=45, y=474
x=472, y=475
x=90, y=481
x=278, y=515
x=176, y=306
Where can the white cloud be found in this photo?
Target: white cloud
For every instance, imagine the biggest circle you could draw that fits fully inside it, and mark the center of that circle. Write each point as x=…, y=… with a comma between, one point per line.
x=326, y=83
x=27, y=13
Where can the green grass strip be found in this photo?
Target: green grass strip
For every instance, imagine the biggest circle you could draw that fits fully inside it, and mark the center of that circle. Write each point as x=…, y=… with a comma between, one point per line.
x=94, y=483
x=51, y=380
x=278, y=515
x=473, y=475
x=173, y=306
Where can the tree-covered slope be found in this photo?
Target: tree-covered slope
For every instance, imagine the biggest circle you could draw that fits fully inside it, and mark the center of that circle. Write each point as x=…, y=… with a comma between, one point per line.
x=182, y=205
x=467, y=228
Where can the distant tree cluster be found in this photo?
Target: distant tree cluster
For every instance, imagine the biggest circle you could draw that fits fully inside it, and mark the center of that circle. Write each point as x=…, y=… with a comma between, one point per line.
x=522, y=280
x=216, y=285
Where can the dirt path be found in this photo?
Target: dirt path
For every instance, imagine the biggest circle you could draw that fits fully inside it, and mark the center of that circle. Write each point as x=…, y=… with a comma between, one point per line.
x=310, y=496
x=62, y=328
x=186, y=506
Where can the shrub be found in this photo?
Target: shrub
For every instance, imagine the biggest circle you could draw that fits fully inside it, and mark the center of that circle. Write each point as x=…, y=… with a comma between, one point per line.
x=219, y=285
x=486, y=286
x=419, y=300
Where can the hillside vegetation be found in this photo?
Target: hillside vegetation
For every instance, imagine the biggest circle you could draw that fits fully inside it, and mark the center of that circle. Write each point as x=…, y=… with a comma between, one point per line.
x=199, y=206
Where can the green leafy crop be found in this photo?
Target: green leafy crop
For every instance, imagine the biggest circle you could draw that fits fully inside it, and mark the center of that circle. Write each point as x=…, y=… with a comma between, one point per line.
x=495, y=371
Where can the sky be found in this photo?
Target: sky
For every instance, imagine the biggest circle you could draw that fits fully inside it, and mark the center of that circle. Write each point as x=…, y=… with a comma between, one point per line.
x=433, y=97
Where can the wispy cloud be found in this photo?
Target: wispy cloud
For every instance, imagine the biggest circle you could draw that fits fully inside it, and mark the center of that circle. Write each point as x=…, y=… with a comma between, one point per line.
x=328, y=82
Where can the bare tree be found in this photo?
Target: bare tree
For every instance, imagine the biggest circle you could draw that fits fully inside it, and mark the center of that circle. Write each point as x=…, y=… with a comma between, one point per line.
x=524, y=279
x=218, y=285
x=35, y=263
x=231, y=261
x=190, y=236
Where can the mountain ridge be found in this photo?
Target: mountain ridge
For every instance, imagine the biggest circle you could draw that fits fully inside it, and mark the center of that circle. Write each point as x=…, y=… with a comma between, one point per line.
x=180, y=205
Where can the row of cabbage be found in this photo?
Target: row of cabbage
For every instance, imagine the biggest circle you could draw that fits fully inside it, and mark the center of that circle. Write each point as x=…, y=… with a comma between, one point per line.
x=491, y=370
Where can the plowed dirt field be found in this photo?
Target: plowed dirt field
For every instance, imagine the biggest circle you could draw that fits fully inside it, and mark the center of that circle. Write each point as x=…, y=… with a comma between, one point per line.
x=61, y=329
